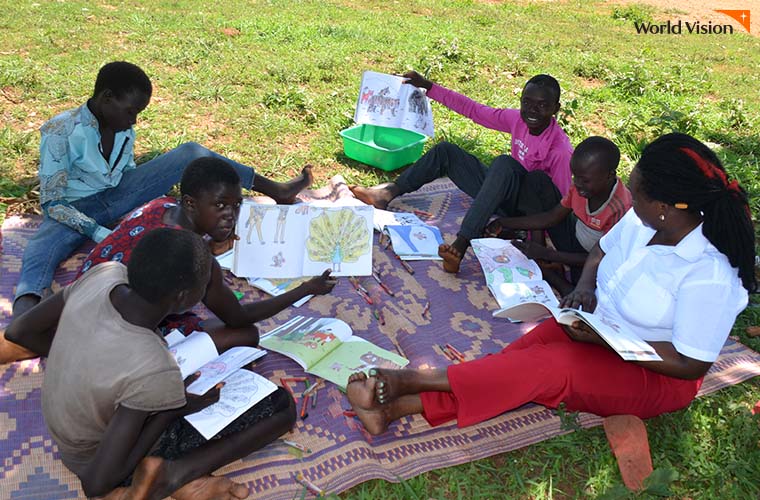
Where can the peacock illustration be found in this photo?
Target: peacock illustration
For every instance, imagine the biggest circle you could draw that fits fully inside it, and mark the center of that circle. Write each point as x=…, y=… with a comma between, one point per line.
x=337, y=236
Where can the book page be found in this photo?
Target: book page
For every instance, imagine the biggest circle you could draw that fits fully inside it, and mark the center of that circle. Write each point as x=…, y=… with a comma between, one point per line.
x=628, y=345
x=271, y=241
x=353, y=355
x=221, y=367
x=529, y=312
x=415, y=242
x=241, y=391
x=512, y=294
x=387, y=101
x=503, y=263
x=307, y=340
x=338, y=238
x=277, y=287
x=382, y=218
x=192, y=351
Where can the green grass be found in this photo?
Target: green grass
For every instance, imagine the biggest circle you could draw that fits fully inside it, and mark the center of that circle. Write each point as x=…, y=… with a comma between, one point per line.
x=272, y=83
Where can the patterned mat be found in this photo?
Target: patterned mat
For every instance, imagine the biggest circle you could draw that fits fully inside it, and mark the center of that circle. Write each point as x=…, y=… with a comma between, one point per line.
x=343, y=455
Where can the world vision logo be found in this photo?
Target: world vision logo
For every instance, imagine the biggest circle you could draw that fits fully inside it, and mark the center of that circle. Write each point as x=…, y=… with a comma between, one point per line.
x=695, y=27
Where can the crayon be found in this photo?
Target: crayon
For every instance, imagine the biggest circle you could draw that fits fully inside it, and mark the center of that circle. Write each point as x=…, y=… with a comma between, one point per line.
x=366, y=297
x=297, y=446
x=456, y=352
x=314, y=400
x=311, y=389
x=309, y=485
x=406, y=266
x=380, y=316
x=398, y=348
x=284, y=383
x=446, y=353
x=422, y=213
x=383, y=285
x=426, y=309
x=304, y=406
x=349, y=413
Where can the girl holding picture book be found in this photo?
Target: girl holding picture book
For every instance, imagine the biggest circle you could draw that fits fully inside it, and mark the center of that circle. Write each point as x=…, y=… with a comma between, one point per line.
x=676, y=270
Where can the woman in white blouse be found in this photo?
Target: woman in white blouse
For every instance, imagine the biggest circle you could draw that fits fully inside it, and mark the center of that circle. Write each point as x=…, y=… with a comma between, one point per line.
x=675, y=270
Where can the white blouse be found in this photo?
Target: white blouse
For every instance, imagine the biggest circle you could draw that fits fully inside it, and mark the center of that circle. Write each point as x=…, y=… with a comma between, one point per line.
x=688, y=294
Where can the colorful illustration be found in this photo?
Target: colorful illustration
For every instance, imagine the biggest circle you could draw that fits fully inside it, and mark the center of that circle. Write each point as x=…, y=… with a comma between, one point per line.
x=337, y=236
x=416, y=241
x=386, y=101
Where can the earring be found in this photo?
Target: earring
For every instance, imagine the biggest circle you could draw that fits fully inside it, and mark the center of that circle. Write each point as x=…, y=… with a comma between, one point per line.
x=662, y=217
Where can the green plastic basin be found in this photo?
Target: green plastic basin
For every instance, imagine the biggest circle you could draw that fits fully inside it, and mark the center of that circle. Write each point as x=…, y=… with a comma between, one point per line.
x=382, y=147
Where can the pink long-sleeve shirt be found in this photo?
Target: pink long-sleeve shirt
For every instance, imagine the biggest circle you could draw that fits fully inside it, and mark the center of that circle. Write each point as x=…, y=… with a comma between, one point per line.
x=549, y=152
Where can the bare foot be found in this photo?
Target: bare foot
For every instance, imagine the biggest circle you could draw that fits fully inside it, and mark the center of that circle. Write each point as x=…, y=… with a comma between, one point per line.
x=211, y=488
x=146, y=482
x=361, y=394
x=390, y=384
x=451, y=258
x=290, y=189
x=377, y=196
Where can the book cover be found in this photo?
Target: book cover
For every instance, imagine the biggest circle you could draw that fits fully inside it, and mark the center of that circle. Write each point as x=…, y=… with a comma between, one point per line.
x=415, y=241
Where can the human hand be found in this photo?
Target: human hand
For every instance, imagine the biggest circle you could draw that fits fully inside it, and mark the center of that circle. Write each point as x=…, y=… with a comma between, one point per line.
x=580, y=298
x=416, y=79
x=493, y=229
x=533, y=250
x=197, y=403
x=581, y=332
x=320, y=285
x=219, y=247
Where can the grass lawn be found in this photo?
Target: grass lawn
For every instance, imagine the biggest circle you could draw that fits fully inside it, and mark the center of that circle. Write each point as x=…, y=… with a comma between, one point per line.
x=271, y=83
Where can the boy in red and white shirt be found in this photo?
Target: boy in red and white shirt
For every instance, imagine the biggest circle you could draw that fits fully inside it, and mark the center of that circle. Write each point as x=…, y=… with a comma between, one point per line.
x=595, y=202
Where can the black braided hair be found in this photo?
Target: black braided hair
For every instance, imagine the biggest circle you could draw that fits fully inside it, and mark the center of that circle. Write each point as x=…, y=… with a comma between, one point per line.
x=678, y=169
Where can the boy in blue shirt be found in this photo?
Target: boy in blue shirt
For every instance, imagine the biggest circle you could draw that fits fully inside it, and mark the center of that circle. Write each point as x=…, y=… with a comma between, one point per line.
x=88, y=176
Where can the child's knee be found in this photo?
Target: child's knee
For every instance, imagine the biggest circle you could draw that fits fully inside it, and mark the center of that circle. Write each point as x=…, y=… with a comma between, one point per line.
x=194, y=150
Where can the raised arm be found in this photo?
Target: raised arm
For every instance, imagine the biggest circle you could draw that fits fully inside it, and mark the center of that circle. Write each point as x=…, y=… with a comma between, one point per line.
x=35, y=329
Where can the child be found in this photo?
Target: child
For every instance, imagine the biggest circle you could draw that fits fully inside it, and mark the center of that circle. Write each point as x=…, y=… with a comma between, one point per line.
x=596, y=201
x=210, y=203
x=88, y=177
x=531, y=180
x=113, y=398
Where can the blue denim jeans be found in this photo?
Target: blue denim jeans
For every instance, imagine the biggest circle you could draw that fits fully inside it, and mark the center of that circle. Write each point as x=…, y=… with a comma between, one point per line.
x=504, y=188
x=54, y=242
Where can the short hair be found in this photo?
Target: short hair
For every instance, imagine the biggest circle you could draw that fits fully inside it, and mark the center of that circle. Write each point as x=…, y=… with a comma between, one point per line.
x=604, y=150
x=167, y=261
x=202, y=174
x=547, y=82
x=678, y=169
x=121, y=77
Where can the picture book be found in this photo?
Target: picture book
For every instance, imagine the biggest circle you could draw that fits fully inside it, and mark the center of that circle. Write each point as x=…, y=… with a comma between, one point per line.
x=242, y=388
x=382, y=218
x=277, y=287
x=327, y=348
x=415, y=242
x=627, y=344
x=387, y=101
x=512, y=294
x=292, y=241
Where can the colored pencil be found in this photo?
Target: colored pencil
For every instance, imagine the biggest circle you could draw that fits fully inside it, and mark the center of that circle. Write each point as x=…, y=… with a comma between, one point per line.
x=297, y=446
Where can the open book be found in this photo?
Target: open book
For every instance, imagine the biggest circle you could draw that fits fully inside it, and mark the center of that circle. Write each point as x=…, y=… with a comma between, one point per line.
x=277, y=287
x=326, y=347
x=242, y=388
x=627, y=344
x=291, y=241
x=387, y=101
x=415, y=242
x=510, y=275
x=382, y=218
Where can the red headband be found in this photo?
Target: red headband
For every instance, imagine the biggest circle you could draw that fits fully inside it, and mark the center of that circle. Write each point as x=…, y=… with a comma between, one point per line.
x=710, y=170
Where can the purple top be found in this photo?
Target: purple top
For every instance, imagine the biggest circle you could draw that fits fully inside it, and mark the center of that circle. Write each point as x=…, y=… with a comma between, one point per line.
x=550, y=151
